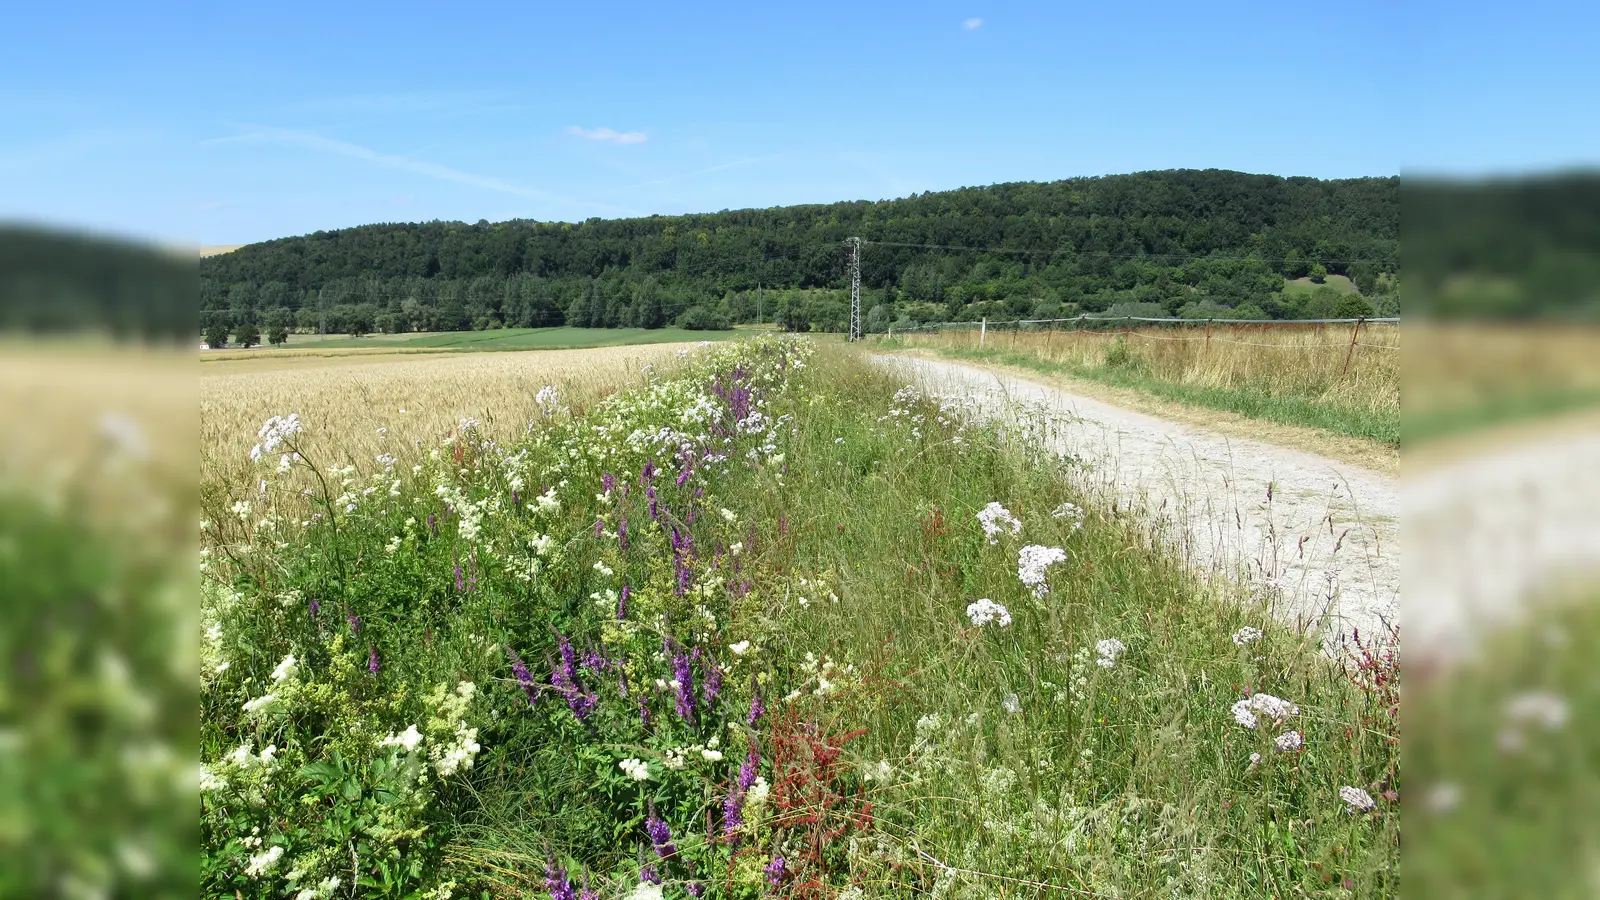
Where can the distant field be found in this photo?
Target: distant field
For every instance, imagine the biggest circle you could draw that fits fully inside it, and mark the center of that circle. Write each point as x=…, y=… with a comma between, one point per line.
x=217, y=249
x=498, y=339
x=1305, y=286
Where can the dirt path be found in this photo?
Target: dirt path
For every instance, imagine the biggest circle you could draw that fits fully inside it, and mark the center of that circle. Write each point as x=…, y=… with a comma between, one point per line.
x=1324, y=534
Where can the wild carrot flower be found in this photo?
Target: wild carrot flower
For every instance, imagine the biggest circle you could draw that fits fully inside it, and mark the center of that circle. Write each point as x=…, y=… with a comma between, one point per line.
x=1108, y=650
x=1245, y=635
x=1289, y=742
x=1357, y=799
x=1244, y=711
x=995, y=520
x=984, y=611
x=1032, y=561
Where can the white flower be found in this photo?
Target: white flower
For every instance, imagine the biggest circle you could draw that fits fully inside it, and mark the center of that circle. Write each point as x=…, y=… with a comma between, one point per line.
x=740, y=648
x=406, y=740
x=1245, y=635
x=1069, y=511
x=1109, y=649
x=211, y=781
x=260, y=703
x=1011, y=704
x=635, y=768
x=756, y=797
x=728, y=516
x=1289, y=741
x=1032, y=561
x=712, y=755
x=1356, y=798
x=645, y=890
x=1542, y=708
x=1255, y=759
x=458, y=755
x=547, y=396
x=737, y=548
x=263, y=862
x=1244, y=711
x=273, y=434
x=984, y=611
x=995, y=519
x=285, y=669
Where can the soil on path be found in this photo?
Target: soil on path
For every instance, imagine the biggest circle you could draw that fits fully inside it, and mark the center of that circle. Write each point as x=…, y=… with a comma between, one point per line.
x=1319, y=535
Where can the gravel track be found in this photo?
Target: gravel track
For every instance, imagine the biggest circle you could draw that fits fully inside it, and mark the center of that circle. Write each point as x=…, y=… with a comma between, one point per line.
x=1319, y=538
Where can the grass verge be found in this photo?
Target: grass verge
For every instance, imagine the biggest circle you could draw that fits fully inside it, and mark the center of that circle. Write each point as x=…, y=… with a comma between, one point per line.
x=743, y=632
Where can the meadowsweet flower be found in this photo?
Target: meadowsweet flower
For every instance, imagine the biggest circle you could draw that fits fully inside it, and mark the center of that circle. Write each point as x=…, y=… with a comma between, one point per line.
x=211, y=781
x=263, y=862
x=711, y=755
x=285, y=669
x=1108, y=651
x=739, y=649
x=459, y=754
x=1032, y=561
x=406, y=740
x=260, y=703
x=1357, y=799
x=756, y=797
x=1245, y=635
x=635, y=768
x=982, y=612
x=996, y=519
x=646, y=890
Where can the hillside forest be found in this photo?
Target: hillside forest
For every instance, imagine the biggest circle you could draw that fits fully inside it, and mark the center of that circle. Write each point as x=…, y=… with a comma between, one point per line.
x=1187, y=243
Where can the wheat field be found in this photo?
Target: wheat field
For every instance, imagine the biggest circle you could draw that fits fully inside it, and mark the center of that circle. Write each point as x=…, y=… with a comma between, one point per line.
x=357, y=406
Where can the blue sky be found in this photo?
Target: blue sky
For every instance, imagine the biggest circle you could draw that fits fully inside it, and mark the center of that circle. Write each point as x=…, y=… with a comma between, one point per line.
x=225, y=125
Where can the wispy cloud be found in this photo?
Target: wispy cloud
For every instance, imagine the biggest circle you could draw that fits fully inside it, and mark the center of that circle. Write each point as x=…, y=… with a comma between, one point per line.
x=972, y=24
x=606, y=134
x=309, y=141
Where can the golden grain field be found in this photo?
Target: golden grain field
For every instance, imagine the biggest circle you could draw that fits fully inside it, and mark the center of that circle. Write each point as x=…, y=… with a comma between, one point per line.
x=355, y=406
x=1308, y=361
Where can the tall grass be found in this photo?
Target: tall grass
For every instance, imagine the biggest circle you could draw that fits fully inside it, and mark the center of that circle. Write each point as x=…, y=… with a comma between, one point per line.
x=1292, y=376
x=827, y=566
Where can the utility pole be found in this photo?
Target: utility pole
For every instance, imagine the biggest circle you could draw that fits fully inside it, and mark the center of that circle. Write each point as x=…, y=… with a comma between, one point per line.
x=855, y=289
x=759, y=297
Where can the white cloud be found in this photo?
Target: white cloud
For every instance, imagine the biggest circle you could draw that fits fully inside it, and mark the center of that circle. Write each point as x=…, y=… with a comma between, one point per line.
x=606, y=134
x=972, y=24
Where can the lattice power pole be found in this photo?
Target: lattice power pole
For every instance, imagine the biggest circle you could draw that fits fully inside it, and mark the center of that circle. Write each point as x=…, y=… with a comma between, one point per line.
x=855, y=288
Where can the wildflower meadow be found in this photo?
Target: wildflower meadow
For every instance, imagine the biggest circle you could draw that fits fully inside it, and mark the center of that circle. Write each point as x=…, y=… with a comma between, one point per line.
x=765, y=624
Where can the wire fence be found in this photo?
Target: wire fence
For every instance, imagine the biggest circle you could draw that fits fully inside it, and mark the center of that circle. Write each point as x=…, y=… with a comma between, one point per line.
x=1147, y=328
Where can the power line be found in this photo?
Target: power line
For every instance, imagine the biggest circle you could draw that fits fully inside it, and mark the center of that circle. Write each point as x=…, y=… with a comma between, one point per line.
x=1109, y=255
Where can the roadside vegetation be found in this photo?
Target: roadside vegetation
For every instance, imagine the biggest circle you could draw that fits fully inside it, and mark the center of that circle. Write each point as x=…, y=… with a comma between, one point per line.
x=1288, y=376
x=766, y=624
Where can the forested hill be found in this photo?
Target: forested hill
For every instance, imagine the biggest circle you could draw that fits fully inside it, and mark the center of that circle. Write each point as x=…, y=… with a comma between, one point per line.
x=1189, y=242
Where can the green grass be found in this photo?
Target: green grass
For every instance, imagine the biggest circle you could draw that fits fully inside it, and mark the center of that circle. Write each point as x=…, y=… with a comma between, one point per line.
x=514, y=339
x=926, y=755
x=1505, y=409
x=1340, y=283
x=1254, y=402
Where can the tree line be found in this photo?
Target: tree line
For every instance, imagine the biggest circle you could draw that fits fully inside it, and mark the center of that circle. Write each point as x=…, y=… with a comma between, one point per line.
x=1211, y=244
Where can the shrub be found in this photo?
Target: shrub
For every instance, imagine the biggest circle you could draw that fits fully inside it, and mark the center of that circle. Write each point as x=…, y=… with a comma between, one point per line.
x=702, y=318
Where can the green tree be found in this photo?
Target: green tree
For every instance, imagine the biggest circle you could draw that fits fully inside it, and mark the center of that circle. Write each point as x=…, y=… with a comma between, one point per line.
x=1319, y=273
x=278, y=321
x=217, y=334
x=1353, y=306
x=247, y=333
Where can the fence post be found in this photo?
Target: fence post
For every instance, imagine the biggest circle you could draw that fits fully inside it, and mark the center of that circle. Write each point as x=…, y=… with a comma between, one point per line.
x=1014, y=329
x=1050, y=342
x=1354, y=332
x=983, y=330
x=1208, y=334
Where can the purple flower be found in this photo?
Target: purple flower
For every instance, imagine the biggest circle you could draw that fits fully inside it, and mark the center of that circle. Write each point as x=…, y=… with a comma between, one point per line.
x=555, y=880
x=660, y=834
x=774, y=871
x=683, y=477
x=733, y=806
x=644, y=710
x=607, y=482
x=622, y=533
x=647, y=473
x=524, y=677
x=355, y=624
x=372, y=659
x=599, y=527
x=433, y=524
x=695, y=889
x=461, y=584
x=564, y=678
x=516, y=499
x=655, y=511
x=622, y=602
x=648, y=873
x=594, y=662
x=757, y=709
x=684, y=675
x=315, y=608
x=713, y=684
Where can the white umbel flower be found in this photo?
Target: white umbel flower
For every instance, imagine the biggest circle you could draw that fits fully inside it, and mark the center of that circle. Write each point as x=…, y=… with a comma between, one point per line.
x=1109, y=650
x=996, y=519
x=1032, y=561
x=984, y=611
x=1245, y=635
x=1289, y=741
x=1357, y=799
